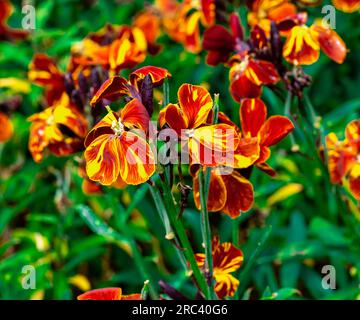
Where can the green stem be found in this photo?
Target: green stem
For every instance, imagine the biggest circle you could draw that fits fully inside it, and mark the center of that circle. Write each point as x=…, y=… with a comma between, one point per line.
x=181, y=233
x=204, y=182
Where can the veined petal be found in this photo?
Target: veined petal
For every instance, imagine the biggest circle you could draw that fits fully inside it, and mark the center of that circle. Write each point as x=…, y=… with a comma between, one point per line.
x=354, y=181
x=213, y=145
x=156, y=74
x=134, y=115
x=253, y=113
x=217, y=193
x=330, y=42
x=300, y=46
x=226, y=257
x=242, y=87
x=274, y=130
x=261, y=72
x=112, y=89
x=240, y=194
x=247, y=152
x=102, y=294
x=137, y=162
x=102, y=159
x=196, y=103
x=226, y=285
x=352, y=133
x=102, y=127
x=173, y=116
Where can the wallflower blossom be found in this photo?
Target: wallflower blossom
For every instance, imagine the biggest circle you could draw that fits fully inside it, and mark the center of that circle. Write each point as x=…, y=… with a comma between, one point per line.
x=6, y=128
x=282, y=12
x=181, y=20
x=303, y=44
x=117, y=86
x=108, y=294
x=59, y=128
x=347, y=6
x=207, y=144
x=226, y=260
x=7, y=33
x=230, y=193
x=44, y=72
x=113, y=151
x=248, y=75
x=344, y=157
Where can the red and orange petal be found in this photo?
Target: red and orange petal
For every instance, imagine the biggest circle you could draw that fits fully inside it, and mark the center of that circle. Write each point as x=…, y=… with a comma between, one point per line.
x=301, y=48
x=208, y=10
x=135, y=116
x=43, y=71
x=7, y=33
x=213, y=145
x=108, y=294
x=247, y=153
x=352, y=134
x=6, y=128
x=241, y=87
x=274, y=130
x=330, y=43
x=253, y=113
x=173, y=116
x=347, y=6
x=156, y=74
x=262, y=72
x=90, y=187
x=195, y=103
x=228, y=193
x=112, y=89
x=354, y=181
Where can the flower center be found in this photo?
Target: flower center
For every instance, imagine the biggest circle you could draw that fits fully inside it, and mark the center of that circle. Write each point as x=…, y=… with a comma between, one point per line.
x=117, y=127
x=189, y=133
x=50, y=120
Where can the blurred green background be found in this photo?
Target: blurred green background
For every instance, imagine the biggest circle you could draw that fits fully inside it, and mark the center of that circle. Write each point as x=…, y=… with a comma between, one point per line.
x=40, y=225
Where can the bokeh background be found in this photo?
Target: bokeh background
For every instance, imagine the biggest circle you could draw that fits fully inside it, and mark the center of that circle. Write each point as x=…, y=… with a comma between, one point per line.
x=299, y=223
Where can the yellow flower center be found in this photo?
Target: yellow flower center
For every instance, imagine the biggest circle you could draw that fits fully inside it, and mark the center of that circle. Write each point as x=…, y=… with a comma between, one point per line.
x=117, y=127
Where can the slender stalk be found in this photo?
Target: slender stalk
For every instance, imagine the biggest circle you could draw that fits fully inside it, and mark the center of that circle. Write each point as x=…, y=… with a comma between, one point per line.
x=183, y=238
x=204, y=181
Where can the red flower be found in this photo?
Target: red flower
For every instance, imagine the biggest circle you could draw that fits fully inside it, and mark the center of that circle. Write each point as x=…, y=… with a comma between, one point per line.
x=108, y=294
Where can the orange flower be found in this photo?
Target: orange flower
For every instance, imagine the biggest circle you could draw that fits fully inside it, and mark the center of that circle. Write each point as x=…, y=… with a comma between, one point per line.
x=116, y=86
x=283, y=12
x=344, y=157
x=348, y=6
x=303, y=45
x=228, y=193
x=248, y=75
x=108, y=294
x=268, y=131
x=44, y=72
x=6, y=126
x=112, y=150
x=206, y=143
x=113, y=47
x=60, y=128
x=226, y=259
x=181, y=20
x=7, y=33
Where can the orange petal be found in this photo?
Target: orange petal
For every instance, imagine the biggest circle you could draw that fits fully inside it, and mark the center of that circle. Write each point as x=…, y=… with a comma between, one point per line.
x=226, y=285
x=247, y=152
x=240, y=194
x=253, y=113
x=137, y=162
x=213, y=145
x=90, y=187
x=241, y=87
x=301, y=47
x=331, y=43
x=347, y=6
x=264, y=167
x=112, y=89
x=354, y=181
x=196, y=103
x=352, y=133
x=217, y=192
x=208, y=12
x=275, y=129
x=102, y=159
x=6, y=128
x=134, y=296
x=156, y=74
x=134, y=115
x=226, y=257
x=102, y=294
x=261, y=72
x=173, y=117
